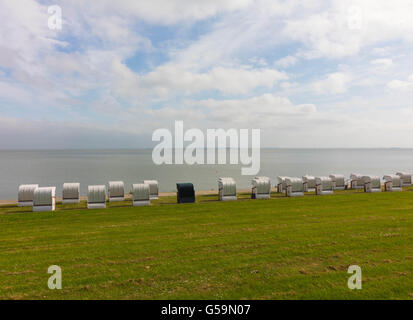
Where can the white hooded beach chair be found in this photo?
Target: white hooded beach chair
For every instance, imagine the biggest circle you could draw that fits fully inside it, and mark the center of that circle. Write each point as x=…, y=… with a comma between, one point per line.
x=324, y=186
x=71, y=193
x=339, y=182
x=44, y=199
x=406, y=178
x=309, y=183
x=140, y=194
x=227, y=189
x=153, y=189
x=261, y=188
x=25, y=195
x=281, y=184
x=356, y=181
x=392, y=182
x=294, y=187
x=116, y=191
x=371, y=183
x=96, y=197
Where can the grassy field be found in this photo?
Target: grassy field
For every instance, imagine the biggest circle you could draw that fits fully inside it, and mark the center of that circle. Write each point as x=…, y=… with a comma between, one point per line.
x=283, y=248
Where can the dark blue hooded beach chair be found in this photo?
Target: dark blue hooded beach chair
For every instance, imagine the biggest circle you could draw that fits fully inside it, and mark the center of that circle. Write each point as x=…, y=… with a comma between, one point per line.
x=185, y=192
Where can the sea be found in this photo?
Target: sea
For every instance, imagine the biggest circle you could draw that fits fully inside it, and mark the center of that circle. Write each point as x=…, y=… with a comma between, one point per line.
x=90, y=167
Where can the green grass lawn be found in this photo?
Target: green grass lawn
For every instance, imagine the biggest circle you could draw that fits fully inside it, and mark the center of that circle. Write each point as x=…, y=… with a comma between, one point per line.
x=283, y=248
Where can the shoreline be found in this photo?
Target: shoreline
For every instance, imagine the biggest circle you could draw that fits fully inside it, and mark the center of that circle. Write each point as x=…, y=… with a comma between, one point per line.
x=129, y=197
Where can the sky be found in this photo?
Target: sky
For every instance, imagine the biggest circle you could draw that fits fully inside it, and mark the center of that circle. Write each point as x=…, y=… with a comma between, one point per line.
x=311, y=74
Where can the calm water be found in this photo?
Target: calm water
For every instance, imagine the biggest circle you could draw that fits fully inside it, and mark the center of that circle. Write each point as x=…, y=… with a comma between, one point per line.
x=52, y=168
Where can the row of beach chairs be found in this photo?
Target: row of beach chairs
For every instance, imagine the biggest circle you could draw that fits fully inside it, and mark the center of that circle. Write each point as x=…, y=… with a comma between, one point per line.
x=327, y=185
x=44, y=198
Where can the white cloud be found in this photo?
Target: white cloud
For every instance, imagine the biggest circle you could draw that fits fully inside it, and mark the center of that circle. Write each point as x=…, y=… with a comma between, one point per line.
x=226, y=80
x=25, y=37
x=334, y=83
x=337, y=30
x=256, y=28
x=382, y=51
x=264, y=111
x=170, y=79
x=382, y=64
x=286, y=62
x=401, y=85
x=167, y=11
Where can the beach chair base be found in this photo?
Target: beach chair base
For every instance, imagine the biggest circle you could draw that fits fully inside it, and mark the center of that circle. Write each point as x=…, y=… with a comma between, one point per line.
x=324, y=193
x=96, y=205
x=116, y=199
x=393, y=189
x=260, y=196
x=25, y=204
x=228, y=198
x=373, y=190
x=44, y=208
x=141, y=203
x=70, y=201
x=295, y=194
